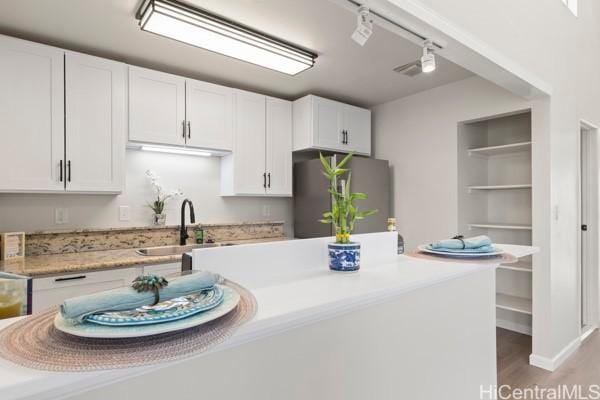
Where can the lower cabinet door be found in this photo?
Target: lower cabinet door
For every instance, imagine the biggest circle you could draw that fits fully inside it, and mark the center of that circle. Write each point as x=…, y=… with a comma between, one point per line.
x=52, y=291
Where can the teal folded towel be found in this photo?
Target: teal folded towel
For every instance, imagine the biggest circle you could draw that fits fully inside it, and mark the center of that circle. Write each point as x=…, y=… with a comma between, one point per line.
x=127, y=298
x=483, y=249
x=474, y=243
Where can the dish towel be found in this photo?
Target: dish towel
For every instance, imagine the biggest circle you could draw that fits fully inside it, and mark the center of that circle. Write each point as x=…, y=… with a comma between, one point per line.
x=476, y=244
x=127, y=298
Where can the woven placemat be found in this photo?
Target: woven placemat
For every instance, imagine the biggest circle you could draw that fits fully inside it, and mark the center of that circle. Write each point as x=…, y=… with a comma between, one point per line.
x=34, y=342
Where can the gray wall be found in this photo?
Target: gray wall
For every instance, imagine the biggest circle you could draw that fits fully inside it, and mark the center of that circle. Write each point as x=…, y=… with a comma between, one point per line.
x=418, y=135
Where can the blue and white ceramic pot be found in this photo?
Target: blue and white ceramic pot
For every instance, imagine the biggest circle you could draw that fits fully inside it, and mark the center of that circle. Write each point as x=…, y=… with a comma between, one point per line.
x=344, y=257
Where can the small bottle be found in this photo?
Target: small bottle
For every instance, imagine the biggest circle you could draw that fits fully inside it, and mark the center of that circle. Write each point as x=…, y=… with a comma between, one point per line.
x=391, y=226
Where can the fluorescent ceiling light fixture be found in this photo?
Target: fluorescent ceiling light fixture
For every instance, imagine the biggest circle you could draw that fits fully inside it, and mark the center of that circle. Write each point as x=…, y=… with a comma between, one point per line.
x=428, y=59
x=175, y=150
x=199, y=28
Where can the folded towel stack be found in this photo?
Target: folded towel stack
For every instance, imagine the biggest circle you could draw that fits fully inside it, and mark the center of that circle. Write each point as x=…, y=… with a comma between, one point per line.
x=127, y=298
x=476, y=244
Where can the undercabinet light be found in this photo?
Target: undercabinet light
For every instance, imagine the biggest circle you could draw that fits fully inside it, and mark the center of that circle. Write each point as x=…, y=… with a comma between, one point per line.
x=173, y=150
x=200, y=28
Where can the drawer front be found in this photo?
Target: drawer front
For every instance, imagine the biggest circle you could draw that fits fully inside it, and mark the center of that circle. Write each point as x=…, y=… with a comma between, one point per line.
x=52, y=291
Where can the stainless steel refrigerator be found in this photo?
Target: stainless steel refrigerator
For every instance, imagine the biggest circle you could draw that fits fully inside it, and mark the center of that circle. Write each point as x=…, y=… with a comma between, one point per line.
x=311, y=198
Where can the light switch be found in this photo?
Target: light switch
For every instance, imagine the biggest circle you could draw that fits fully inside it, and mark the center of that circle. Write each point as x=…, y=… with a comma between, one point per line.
x=61, y=216
x=124, y=213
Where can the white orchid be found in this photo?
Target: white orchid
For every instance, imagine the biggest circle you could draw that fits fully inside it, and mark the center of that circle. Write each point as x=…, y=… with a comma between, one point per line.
x=162, y=195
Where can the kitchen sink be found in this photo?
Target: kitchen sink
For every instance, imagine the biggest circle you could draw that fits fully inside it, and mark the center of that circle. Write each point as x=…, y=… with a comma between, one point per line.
x=175, y=250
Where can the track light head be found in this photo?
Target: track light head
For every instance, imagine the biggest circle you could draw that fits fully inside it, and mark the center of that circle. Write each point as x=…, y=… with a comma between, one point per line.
x=364, y=26
x=428, y=58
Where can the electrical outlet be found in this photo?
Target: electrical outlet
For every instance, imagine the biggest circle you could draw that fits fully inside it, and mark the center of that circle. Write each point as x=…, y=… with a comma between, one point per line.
x=61, y=216
x=124, y=213
x=266, y=210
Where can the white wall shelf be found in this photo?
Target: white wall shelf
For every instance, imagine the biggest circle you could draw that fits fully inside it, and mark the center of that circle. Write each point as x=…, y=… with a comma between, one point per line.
x=501, y=226
x=495, y=198
x=522, y=266
x=513, y=303
x=500, y=187
x=490, y=151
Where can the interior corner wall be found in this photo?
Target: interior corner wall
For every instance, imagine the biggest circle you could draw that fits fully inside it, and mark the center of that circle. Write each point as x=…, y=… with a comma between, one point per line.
x=418, y=134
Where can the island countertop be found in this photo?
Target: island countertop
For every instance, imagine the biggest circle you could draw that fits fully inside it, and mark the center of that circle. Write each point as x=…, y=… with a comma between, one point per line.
x=285, y=302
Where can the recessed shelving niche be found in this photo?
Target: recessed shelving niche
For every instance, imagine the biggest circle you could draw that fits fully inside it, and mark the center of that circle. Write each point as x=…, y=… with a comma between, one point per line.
x=494, y=189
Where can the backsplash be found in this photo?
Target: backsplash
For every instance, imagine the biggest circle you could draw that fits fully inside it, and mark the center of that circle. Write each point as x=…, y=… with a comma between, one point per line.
x=82, y=240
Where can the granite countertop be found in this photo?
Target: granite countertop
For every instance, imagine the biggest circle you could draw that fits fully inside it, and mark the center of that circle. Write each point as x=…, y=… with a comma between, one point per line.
x=152, y=227
x=55, y=264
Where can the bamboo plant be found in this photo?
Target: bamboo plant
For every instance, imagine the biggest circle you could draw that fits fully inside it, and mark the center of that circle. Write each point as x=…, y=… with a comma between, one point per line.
x=343, y=214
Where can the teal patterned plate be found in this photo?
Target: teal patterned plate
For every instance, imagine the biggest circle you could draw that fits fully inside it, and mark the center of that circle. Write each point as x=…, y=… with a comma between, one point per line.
x=165, y=311
x=90, y=330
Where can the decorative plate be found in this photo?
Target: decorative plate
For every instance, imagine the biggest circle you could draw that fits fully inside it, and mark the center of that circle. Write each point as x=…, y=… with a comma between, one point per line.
x=165, y=311
x=427, y=249
x=90, y=330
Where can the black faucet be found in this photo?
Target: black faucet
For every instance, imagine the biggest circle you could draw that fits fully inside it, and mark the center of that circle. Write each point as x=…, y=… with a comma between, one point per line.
x=183, y=235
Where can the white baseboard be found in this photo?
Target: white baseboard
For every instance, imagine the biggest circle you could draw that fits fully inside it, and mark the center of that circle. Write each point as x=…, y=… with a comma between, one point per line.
x=513, y=326
x=551, y=364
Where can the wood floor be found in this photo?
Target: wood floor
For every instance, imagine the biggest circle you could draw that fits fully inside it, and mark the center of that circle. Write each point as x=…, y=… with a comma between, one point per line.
x=582, y=368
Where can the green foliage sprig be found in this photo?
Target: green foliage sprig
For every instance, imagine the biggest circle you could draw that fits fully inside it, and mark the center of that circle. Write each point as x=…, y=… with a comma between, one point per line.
x=343, y=214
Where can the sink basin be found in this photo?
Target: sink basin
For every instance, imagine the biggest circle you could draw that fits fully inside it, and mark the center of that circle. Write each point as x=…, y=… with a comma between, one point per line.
x=176, y=250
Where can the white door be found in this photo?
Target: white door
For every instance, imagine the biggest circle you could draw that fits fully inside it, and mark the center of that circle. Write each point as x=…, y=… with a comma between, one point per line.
x=209, y=113
x=31, y=116
x=156, y=107
x=249, y=149
x=357, y=124
x=327, y=120
x=279, y=147
x=95, y=123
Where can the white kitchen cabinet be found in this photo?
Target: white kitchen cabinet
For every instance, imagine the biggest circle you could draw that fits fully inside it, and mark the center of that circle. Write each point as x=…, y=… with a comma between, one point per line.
x=52, y=291
x=357, y=126
x=31, y=116
x=279, y=147
x=324, y=124
x=243, y=172
x=261, y=162
x=96, y=111
x=209, y=111
x=156, y=107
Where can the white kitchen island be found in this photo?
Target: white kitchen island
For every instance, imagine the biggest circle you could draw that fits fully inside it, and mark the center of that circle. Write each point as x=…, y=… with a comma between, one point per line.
x=399, y=328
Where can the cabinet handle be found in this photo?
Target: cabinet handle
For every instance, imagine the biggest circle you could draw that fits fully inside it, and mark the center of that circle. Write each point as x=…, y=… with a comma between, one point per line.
x=269, y=184
x=347, y=137
x=265, y=180
x=70, y=278
x=69, y=171
x=189, y=130
x=60, y=173
x=183, y=128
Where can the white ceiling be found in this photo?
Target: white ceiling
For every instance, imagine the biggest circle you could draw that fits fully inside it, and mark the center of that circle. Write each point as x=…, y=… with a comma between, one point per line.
x=343, y=71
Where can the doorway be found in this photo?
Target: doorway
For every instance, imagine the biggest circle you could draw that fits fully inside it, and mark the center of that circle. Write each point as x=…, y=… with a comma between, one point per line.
x=588, y=232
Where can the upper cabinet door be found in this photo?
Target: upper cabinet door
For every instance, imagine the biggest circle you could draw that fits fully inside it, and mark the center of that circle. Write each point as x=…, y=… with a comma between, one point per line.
x=96, y=123
x=31, y=116
x=209, y=112
x=357, y=124
x=156, y=107
x=249, y=148
x=327, y=120
x=279, y=147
